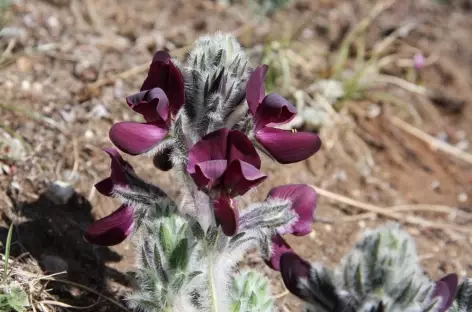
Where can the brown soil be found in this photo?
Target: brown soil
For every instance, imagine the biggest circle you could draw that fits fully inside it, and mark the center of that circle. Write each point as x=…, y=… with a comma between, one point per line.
x=62, y=66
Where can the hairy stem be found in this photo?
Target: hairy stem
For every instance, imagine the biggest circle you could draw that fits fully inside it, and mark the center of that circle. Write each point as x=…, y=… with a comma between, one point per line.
x=212, y=284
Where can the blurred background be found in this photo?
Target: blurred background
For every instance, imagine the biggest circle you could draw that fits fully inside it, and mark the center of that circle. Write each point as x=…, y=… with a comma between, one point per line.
x=386, y=84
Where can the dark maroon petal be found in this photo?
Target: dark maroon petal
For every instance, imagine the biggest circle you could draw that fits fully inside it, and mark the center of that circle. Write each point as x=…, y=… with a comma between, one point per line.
x=227, y=215
x=207, y=174
x=279, y=247
x=135, y=138
x=211, y=147
x=293, y=268
x=240, y=177
x=105, y=187
x=165, y=75
x=441, y=290
x=152, y=104
x=287, y=146
x=274, y=110
x=303, y=198
x=448, y=294
x=241, y=148
x=255, y=90
x=118, y=167
x=112, y=229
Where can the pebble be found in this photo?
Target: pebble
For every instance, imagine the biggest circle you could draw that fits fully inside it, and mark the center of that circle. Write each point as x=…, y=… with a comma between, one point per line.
x=373, y=111
x=328, y=227
x=53, y=264
x=60, y=192
x=88, y=134
x=6, y=169
x=98, y=111
x=312, y=235
x=54, y=26
x=435, y=185
x=25, y=85
x=362, y=224
x=462, y=197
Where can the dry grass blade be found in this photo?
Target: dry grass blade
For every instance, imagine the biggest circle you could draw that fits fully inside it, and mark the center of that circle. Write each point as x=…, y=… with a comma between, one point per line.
x=344, y=50
x=389, y=213
x=35, y=116
x=435, y=144
x=65, y=305
x=111, y=300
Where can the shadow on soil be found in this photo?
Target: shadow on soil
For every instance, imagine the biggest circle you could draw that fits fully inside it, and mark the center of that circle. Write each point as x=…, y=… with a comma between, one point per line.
x=53, y=235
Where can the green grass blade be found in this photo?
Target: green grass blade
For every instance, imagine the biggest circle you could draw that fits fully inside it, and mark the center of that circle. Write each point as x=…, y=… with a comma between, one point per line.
x=7, y=253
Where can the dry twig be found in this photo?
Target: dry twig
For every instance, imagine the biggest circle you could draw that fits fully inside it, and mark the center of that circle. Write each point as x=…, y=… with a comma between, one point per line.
x=435, y=144
x=388, y=212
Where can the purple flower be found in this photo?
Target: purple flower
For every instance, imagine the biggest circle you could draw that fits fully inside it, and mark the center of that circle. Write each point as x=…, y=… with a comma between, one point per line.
x=161, y=97
x=293, y=268
x=446, y=288
x=284, y=145
x=419, y=61
x=113, y=229
x=303, y=198
x=225, y=164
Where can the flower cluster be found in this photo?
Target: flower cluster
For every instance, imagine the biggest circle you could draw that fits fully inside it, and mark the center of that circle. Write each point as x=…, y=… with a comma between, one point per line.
x=209, y=119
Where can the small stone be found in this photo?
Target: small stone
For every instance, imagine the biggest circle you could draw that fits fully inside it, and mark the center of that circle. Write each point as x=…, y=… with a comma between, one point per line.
x=6, y=169
x=25, y=85
x=14, y=185
x=60, y=192
x=435, y=185
x=98, y=112
x=328, y=227
x=341, y=176
x=462, y=197
x=308, y=33
x=89, y=134
x=312, y=235
x=53, y=24
x=362, y=224
x=373, y=111
x=53, y=264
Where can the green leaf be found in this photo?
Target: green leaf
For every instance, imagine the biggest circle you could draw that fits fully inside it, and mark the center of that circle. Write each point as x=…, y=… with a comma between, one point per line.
x=16, y=299
x=178, y=282
x=197, y=230
x=7, y=253
x=192, y=275
x=212, y=236
x=166, y=239
x=179, y=256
